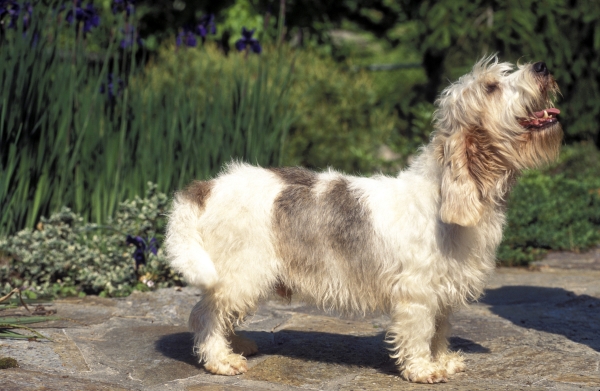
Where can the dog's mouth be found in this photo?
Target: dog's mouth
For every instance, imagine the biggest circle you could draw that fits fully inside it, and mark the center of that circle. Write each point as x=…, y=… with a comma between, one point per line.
x=540, y=119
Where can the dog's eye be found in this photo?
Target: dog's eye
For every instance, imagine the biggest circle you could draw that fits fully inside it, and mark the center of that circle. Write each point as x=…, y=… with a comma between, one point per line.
x=491, y=87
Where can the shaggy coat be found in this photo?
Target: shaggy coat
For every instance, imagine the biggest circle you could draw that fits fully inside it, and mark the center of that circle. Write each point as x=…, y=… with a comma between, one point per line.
x=414, y=246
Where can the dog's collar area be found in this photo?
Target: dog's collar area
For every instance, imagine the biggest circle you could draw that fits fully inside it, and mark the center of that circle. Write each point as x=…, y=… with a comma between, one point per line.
x=541, y=118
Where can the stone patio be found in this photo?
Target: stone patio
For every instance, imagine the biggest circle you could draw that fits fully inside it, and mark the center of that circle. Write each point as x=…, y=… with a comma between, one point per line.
x=533, y=330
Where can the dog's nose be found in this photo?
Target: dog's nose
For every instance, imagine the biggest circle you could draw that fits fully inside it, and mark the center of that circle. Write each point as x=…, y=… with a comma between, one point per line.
x=540, y=68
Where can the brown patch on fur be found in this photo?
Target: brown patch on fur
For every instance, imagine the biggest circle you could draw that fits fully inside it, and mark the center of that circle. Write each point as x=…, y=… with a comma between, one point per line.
x=484, y=162
x=198, y=192
x=296, y=175
x=282, y=290
x=324, y=238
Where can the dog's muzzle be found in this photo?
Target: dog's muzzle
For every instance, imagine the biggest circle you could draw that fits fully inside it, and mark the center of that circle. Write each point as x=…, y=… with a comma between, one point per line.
x=541, y=69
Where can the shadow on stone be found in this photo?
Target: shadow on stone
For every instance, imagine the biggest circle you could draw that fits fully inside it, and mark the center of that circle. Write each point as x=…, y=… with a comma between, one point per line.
x=361, y=351
x=466, y=345
x=349, y=350
x=178, y=346
x=552, y=310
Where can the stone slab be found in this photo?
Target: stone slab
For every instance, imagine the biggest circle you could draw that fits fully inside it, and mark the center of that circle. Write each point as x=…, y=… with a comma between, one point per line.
x=589, y=260
x=532, y=330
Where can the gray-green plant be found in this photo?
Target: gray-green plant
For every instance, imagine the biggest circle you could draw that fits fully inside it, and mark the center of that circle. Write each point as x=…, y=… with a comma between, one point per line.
x=64, y=255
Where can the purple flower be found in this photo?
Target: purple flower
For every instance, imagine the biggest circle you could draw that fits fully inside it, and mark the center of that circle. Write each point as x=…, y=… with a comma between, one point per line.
x=186, y=35
x=12, y=9
x=123, y=5
x=248, y=42
x=87, y=16
x=92, y=18
x=28, y=8
x=109, y=88
x=142, y=248
x=206, y=25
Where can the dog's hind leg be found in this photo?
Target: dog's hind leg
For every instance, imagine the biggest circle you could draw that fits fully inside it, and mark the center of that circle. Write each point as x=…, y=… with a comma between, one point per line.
x=453, y=362
x=411, y=333
x=212, y=320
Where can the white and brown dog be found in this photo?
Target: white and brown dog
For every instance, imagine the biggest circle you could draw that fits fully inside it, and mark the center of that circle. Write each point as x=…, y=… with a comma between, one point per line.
x=414, y=246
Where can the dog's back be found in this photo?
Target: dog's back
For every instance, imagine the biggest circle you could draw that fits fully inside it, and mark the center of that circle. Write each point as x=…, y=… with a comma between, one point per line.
x=415, y=246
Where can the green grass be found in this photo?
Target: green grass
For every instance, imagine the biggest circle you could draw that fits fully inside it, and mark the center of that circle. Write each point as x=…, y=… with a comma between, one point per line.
x=66, y=143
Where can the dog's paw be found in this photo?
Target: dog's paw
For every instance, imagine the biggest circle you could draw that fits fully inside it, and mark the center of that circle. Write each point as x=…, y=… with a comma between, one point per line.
x=244, y=346
x=452, y=362
x=424, y=372
x=232, y=364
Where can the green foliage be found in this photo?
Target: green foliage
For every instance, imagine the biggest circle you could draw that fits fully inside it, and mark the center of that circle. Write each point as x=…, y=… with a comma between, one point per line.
x=448, y=36
x=452, y=34
x=578, y=161
x=341, y=122
x=65, y=256
x=66, y=143
x=179, y=118
x=551, y=212
x=187, y=111
x=50, y=97
x=241, y=14
x=334, y=115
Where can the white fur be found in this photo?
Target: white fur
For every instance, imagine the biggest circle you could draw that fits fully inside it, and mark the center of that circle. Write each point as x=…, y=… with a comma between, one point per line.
x=427, y=237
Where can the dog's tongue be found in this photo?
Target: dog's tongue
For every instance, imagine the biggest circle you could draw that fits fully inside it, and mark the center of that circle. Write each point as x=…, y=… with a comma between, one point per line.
x=551, y=112
x=540, y=118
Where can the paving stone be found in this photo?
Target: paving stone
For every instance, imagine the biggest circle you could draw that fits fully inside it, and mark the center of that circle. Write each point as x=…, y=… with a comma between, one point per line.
x=589, y=260
x=20, y=379
x=213, y=387
x=532, y=330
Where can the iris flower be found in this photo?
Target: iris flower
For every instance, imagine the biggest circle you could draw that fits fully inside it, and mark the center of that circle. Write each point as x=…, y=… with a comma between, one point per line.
x=87, y=16
x=12, y=9
x=186, y=36
x=142, y=248
x=109, y=88
x=206, y=25
x=248, y=42
x=123, y=5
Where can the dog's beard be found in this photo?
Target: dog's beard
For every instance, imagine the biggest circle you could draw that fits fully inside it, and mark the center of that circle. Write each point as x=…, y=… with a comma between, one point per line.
x=540, y=146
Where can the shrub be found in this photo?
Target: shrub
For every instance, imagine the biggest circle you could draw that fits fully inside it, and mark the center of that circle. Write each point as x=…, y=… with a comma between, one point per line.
x=88, y=130
x=337, y=117
x=550, y=212
x=341, y=121
x=65, y=256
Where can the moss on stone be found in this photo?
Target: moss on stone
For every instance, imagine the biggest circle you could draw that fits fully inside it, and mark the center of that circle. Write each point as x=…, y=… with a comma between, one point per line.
x=8, y=362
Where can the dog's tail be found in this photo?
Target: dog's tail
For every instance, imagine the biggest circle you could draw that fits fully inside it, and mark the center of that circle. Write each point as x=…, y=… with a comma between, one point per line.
x=184, y=245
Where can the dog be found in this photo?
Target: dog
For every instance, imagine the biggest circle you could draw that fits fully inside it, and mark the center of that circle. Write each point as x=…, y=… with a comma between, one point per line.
x=415, y=246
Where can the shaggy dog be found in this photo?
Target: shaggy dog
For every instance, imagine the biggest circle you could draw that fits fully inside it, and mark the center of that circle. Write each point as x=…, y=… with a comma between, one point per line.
x=415, y=246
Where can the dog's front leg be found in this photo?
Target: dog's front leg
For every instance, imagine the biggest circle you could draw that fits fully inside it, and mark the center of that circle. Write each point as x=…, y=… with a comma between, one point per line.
x=453, y=362
x=411, y=333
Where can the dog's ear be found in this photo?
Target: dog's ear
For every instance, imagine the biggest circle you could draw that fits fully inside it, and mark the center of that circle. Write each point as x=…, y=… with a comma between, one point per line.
x=460, y=189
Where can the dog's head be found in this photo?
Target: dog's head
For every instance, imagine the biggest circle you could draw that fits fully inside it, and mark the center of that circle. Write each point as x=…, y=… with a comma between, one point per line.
x=491, y=124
